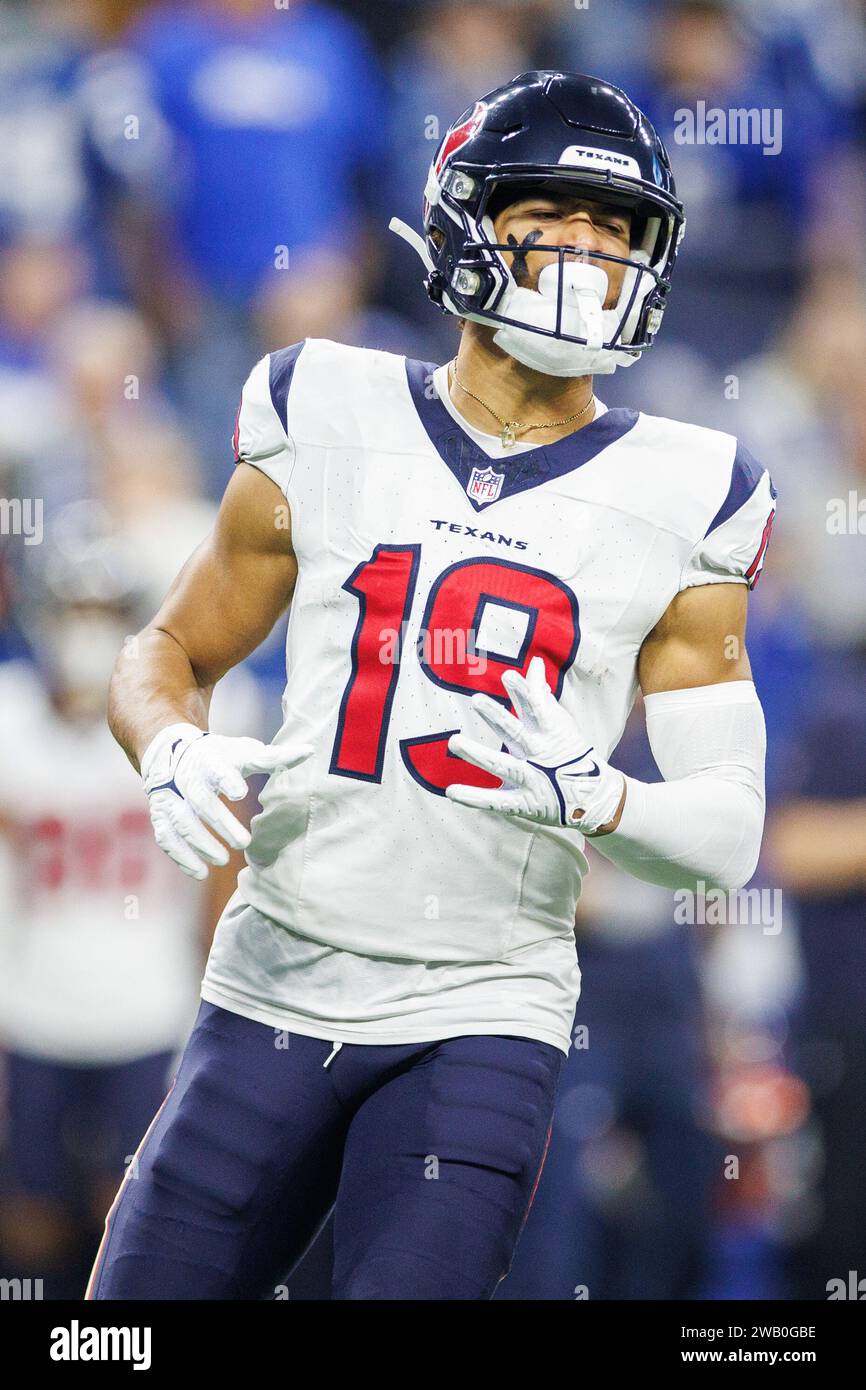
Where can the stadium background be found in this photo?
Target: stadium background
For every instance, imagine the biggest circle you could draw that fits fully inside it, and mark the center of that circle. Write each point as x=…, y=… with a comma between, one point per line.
x=182, y=188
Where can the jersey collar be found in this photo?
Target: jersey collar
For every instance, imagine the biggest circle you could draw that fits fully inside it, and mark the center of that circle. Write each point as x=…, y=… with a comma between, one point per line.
x=516, y=473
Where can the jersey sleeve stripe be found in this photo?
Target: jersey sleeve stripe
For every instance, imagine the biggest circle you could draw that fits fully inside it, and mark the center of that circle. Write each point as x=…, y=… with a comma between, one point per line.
x=753, y=573
x=236, y=436
x=746, y=473
x=282, y=367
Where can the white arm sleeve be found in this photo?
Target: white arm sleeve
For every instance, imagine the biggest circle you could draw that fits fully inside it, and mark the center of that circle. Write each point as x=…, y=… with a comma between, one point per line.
x=703, y=824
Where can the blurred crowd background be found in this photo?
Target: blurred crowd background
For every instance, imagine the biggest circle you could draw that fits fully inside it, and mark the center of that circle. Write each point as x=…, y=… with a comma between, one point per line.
x=186, y=186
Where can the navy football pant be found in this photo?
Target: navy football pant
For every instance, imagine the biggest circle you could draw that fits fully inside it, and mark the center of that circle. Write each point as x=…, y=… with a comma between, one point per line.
x=430, y=1151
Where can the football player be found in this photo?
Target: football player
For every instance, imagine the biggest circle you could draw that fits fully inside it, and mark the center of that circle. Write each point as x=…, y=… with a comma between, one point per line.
x=484, y=564
x=99, y=956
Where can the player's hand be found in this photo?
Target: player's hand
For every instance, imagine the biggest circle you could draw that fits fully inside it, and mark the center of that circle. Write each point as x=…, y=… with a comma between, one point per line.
x=550, y=773
x=185, y=771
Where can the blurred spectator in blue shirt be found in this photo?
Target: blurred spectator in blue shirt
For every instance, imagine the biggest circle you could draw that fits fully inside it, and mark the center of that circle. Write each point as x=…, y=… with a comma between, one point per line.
x=43, y=190
x=833, y=32
x=65, y=153
x=276, y=110
x=278, y=120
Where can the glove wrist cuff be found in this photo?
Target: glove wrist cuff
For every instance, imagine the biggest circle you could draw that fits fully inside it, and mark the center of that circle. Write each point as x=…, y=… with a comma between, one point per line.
x=158, y=751
x=600, y=805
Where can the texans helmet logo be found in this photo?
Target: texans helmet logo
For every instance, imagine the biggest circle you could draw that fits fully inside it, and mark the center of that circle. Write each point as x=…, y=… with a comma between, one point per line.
x=459, y=134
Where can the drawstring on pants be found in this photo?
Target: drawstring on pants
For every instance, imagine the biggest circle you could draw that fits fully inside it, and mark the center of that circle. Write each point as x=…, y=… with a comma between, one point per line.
x=329, y=1059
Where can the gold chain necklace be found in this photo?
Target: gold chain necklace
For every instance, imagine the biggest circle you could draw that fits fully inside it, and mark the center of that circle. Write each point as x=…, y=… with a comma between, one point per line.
x=511, y=428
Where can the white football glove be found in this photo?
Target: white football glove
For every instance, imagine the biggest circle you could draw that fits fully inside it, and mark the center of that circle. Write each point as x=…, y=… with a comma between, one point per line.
x=185, y=770
x=551, y=774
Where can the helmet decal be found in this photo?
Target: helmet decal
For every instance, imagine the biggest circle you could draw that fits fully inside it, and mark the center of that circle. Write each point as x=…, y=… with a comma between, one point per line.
x=458, y=135
x=584, y=156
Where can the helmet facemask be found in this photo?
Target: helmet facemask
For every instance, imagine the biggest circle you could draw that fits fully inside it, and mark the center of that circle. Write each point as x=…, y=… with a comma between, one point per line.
x=561, y=327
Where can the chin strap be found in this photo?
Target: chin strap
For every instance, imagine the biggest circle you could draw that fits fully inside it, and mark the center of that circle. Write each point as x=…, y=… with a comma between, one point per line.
x=414, y=239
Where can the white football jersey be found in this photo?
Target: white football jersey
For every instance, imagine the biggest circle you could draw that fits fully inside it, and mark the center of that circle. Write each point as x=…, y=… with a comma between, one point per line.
x=429, y=564
x=99, y=935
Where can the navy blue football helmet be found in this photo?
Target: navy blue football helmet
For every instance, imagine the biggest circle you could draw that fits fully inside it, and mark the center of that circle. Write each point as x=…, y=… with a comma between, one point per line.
x=550, y=129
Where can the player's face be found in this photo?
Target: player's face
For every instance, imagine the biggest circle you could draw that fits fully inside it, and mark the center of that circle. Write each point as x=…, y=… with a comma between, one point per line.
x=83, y=644
x=564, y=220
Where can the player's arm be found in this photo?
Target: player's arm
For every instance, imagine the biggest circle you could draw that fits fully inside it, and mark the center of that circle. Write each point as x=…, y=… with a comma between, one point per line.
x=705, y=726
x=699, y=641
x=222, y=605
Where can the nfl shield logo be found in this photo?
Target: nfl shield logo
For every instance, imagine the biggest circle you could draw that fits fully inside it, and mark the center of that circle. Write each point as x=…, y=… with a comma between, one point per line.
x=484, y=485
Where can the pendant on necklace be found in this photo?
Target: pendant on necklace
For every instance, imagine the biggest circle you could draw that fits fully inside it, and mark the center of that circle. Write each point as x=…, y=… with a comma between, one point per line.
x=508, y=436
